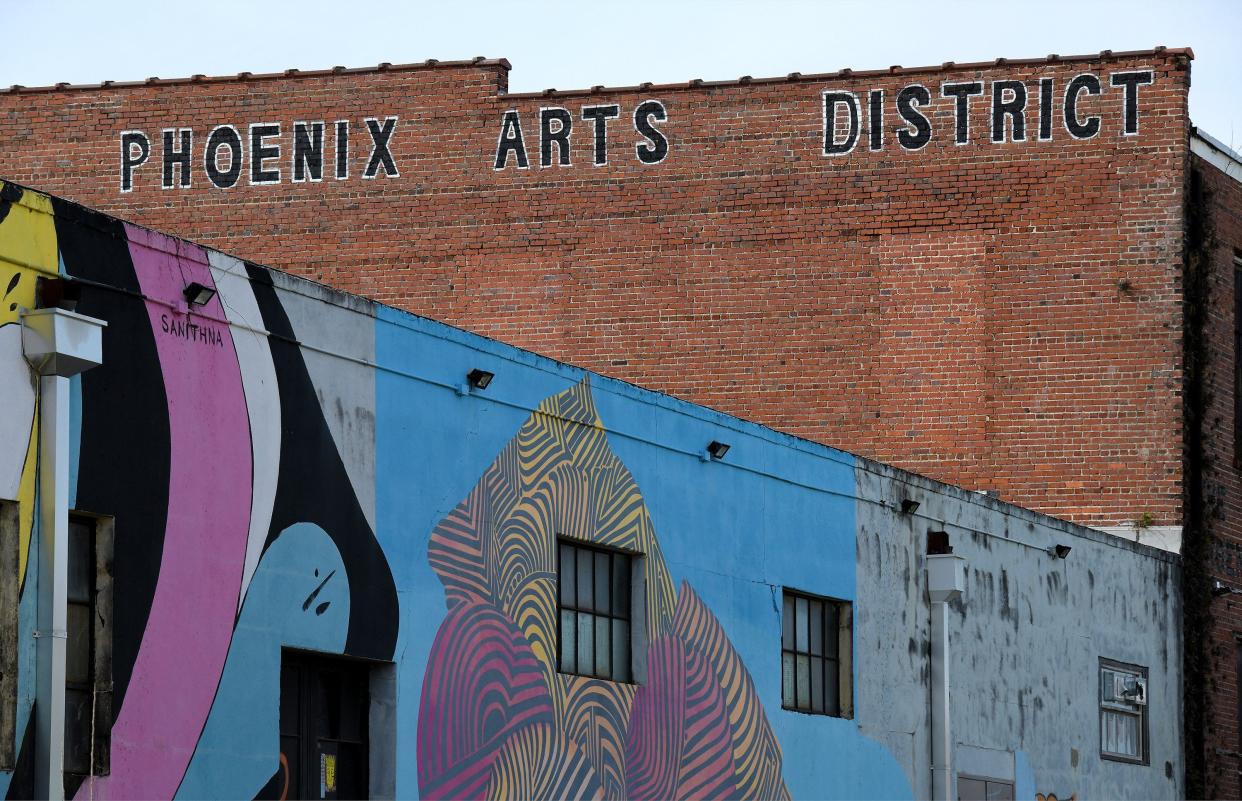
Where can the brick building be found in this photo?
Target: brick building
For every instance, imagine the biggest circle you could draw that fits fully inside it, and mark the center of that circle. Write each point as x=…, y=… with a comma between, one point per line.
x=1015, y=276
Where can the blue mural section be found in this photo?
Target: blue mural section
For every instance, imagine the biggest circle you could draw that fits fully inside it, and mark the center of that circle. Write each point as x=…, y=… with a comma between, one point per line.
x=298, y=598
x=736, y=532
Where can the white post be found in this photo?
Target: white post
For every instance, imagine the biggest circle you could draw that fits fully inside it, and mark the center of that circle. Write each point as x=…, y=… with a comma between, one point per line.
x=58, y=344
x=53, y=586
x=946, y=578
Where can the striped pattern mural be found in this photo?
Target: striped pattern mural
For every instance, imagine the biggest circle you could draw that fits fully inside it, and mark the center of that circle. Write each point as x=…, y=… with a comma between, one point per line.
x=497, y=720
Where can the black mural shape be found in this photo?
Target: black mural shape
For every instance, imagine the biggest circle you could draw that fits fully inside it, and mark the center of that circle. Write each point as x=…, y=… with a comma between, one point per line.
x=124, y=461
x=13, y=282
x=21, y=785
x=314, y=487
x=9, y=194
x=276, y=787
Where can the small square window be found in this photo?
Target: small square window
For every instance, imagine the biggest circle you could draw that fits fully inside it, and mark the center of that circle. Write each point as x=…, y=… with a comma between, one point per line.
x=815, y=655
x=594, y=635
x=1123, y=712
x=972, y=788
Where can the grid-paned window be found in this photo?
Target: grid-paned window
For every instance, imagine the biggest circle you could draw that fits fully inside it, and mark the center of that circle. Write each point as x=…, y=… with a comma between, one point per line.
x=1123, y=712
x=970, y=788
x=812, y=679
x=593, y=588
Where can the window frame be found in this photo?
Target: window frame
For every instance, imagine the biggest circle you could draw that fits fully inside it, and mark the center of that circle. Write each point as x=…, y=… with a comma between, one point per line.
x=631, y=619
x=844, y=652
x=987, y=780
x=1144, y=757
x=103, y=536
x=10, y=581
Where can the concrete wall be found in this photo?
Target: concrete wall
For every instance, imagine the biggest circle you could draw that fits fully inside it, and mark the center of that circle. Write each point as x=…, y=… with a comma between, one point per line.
x=292, y=467
x=1027, y=637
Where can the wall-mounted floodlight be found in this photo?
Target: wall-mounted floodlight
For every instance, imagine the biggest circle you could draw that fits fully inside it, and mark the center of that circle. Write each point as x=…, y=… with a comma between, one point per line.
x=1220, y=588
x=59, y=293
x=479, y=379
x=909, y=506
x=938, y=543
x=197, y=294
x=1059, y=551
x=717, y=450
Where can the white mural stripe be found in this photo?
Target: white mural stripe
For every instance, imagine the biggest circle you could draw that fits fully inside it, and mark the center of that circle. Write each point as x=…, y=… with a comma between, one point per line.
x=262, y=399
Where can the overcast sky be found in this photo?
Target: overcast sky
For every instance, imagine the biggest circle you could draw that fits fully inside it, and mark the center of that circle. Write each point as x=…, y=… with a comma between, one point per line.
x=579, y=44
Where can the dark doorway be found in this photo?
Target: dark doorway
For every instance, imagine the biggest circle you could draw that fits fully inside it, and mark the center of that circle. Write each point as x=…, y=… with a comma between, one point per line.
x=323, y=726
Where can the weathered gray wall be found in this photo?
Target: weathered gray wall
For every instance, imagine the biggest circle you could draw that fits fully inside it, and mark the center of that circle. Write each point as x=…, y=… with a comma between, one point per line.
x=1026, y=640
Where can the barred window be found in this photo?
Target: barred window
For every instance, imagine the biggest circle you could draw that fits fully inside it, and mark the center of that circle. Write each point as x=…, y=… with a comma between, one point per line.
x=1123, y=712
x=815, y=658
x=593, y=587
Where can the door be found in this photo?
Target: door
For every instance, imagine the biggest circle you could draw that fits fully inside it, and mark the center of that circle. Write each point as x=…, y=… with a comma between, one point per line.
x=323, y=726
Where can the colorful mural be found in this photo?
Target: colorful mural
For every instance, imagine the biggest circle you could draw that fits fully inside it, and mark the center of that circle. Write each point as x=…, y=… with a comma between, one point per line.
x=175, y=440
x=499, y=721
x=27, y=250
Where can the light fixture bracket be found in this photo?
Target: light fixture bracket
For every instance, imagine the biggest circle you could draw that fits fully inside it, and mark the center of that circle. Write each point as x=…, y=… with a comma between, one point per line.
x=197, y=294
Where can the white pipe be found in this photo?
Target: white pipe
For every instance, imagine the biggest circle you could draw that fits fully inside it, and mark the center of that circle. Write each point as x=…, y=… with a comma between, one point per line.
x=53, y=586
x=946, y=578
x=57, y=343
x=942, y=730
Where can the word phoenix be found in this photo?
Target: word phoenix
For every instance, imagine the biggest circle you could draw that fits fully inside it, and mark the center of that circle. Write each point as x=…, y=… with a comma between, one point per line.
x=226, y=153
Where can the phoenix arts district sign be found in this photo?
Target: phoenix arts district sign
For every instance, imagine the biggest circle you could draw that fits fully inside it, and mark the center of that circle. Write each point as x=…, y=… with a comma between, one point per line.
x=271, y=152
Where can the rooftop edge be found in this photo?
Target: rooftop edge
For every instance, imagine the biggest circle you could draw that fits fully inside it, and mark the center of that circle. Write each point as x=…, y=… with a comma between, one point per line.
x=695, y=83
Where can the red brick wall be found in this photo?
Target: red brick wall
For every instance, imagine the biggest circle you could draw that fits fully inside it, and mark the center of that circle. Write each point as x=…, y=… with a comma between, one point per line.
x=1000, y=316
x=1221, y=199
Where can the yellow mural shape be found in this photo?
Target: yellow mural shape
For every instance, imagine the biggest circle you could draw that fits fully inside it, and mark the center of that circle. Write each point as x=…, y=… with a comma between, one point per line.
x=559, y=479
x=27, y=251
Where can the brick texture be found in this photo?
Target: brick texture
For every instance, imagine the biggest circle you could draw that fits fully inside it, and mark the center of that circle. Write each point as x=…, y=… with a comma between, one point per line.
x=1221, y=199
x=1000, y=316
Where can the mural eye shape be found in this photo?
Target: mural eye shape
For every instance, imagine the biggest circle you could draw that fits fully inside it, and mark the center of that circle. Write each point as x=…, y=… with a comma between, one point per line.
x=13, y=282
x=310, y=599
